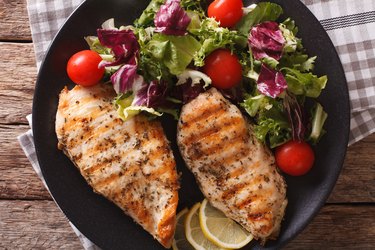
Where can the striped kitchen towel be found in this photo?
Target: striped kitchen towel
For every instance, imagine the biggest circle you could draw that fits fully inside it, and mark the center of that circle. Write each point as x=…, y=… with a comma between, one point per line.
x=351, y=25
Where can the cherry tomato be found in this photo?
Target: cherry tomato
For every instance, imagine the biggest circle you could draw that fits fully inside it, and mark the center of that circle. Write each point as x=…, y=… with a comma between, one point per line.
x=83, y=68
x=295, y=158
x=223, y=68
x=227, y=12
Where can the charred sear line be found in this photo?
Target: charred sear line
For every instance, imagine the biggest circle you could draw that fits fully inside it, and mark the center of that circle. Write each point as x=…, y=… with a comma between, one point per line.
x=196, y=151
x=244, y=203
x=201, y=116
x=220, y=130
x=228, y=194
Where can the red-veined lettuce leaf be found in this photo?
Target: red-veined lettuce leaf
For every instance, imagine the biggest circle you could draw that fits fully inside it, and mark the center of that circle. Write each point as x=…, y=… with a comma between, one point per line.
x=266, y=40
x=271, y=82
x=123, y=43
x=171, y=19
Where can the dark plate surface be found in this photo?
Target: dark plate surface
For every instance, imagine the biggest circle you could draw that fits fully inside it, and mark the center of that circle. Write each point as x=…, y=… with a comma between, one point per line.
x=104, y=223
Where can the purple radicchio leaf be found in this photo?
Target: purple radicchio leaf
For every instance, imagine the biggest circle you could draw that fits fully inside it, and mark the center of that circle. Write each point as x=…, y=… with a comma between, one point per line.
x=296, y=116
x=187, y=91
x=171, y=19
x=266, y=40
x=123, y=43
x=271, y=82
x=154, y=95
x=124, y=78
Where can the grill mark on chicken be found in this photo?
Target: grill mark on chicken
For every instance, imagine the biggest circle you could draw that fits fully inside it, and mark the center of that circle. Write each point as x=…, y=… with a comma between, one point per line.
x=128, y=171
x=150, y=137
x=130, y=163
x=147, y=156
x=156, y=175
x=231, y=192
x=204, y=116
x=212, y=134
x=234, y=171
x=236, y=155
x=237, y=172
x=198, y=151
x=99, y=166
x=244, y=203
x=114, y=177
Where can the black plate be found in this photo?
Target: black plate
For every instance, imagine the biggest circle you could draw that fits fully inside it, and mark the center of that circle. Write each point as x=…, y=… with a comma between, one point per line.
x=104, y=223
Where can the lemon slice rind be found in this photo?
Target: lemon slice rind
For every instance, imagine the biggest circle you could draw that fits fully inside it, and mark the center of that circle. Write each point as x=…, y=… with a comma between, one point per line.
x=220, y=230
x=194, y=232
x=179, y=241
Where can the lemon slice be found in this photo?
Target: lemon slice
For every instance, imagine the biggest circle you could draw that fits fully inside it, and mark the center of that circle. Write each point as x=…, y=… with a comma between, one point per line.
x=219, y=229
x=194, y=232
x=180, y=242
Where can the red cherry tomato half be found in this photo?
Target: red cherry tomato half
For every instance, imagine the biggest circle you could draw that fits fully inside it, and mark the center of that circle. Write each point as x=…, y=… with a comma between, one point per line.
x=227, y=12
x=295, y=158
x=83, y=68
x=223, y=68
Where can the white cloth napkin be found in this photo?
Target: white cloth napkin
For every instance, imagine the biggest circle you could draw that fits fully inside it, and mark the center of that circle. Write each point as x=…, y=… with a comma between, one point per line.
x=349, y=23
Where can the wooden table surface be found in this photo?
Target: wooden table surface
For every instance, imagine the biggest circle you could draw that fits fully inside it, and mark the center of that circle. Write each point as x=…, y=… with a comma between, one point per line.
x=29, y=219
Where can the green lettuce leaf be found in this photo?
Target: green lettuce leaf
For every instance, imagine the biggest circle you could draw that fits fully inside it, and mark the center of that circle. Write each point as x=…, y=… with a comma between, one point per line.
x=319, y=116
x=273, y=127
x=212, y=37
x=148, y=67
x=250, y=66
x=307, y=65
x=270, y=62
x=175, y=52
x=298, y=61
x=144, y=35
x=295, y=56
x=290, y=25
x=193, y=5
x=306, y=84
x=152, y=69
x=271, y=123
x=252, y=104
x=148, y=15
x=195, y=22
x=125, y=109
x=95, y=45
x=291, y=40
x=264, y=11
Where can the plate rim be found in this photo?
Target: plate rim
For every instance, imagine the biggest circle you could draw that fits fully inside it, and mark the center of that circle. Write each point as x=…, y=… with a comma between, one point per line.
x=331, y=185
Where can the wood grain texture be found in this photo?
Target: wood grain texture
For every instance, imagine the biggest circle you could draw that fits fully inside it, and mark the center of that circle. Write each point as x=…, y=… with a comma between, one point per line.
x=34, y=225
x=41, y=225
x=339, y=227
x=17, y=178
x=17, y=82
x=14, y=25
x=357, y=180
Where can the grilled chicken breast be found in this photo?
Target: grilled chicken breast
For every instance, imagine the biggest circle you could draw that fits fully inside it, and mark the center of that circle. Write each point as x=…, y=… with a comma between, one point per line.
x=130, y=163
x=235, y=172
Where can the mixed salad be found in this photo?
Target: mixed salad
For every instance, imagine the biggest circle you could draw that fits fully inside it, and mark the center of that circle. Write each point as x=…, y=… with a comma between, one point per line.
x=177, y=49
